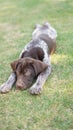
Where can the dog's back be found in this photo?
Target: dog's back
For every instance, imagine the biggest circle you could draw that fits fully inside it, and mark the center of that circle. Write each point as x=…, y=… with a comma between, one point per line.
x=50, y=43
x=46, y=33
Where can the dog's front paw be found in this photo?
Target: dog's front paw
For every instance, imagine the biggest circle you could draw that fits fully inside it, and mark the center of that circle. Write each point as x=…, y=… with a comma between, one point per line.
x=4, y=88
x=35, y=90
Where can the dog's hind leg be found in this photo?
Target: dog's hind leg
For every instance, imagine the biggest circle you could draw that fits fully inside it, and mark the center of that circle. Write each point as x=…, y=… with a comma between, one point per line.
x=6, y=87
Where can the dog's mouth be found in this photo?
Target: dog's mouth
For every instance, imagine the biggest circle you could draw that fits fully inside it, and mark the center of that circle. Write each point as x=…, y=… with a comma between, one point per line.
x=20, y=85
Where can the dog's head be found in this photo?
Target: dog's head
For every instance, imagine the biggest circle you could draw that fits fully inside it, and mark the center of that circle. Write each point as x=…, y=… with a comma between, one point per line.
x=45, y=29
x=26, y=70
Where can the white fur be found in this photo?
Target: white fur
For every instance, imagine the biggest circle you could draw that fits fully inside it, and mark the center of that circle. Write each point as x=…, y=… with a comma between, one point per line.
x=52, y=33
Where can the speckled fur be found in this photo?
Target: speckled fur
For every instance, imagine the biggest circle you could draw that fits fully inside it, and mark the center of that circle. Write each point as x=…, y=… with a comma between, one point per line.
x=36, y=41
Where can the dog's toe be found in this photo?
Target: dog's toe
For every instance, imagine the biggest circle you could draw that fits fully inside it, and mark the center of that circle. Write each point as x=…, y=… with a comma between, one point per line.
x=4, y=88
x=35, y=90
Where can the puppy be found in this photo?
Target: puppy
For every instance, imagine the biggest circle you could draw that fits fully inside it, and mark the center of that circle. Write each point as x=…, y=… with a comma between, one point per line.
x=34, y=61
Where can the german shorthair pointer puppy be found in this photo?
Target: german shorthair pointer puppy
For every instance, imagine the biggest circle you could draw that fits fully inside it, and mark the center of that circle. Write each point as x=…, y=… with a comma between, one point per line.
x=34, y=62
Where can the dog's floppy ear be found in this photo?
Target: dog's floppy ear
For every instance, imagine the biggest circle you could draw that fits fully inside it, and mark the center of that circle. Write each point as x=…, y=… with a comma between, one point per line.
x=39, y=66
x=14, y=65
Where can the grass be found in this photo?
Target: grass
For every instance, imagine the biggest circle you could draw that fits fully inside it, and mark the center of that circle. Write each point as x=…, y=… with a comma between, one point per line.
x=53, y=109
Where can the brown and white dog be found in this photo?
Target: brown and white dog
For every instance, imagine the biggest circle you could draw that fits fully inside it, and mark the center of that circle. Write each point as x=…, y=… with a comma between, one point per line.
x=34, y=61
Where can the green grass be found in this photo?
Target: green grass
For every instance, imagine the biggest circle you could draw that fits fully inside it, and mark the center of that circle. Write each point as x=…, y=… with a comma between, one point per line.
x=53, y=109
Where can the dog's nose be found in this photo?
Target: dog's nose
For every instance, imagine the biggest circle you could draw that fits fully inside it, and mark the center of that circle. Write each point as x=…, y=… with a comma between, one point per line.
x=20, y=85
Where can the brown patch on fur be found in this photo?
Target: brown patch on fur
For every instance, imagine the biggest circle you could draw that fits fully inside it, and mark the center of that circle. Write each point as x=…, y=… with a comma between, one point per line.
x=35, y=53
x=51, y=43
x=26, y=70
